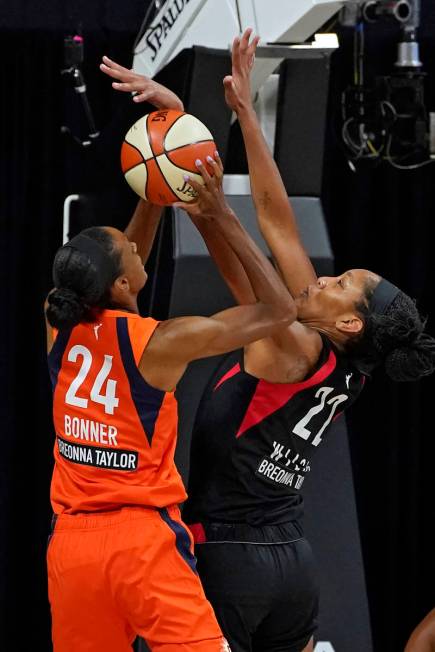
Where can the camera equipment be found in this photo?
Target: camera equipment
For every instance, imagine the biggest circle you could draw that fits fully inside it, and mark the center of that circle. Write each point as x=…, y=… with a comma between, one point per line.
x=387, y=120
x=73, y=58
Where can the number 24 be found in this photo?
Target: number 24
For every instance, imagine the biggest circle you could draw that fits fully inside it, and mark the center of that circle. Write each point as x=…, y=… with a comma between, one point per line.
x=109, y=399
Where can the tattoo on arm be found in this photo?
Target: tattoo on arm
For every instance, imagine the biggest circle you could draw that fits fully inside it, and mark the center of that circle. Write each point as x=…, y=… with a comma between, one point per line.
x=265, y=200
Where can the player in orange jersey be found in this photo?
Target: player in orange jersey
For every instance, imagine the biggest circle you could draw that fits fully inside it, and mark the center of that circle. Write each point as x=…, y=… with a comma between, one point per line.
x=120, y=560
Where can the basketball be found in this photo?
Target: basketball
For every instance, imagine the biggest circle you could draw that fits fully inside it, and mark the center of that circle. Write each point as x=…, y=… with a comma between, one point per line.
x=159, y=150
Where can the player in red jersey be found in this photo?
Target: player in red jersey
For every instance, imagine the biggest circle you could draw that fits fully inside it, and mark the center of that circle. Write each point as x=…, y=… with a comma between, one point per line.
x=269, y=406
x=120, y=560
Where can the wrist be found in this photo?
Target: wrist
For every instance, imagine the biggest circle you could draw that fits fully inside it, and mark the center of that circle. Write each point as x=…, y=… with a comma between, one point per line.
x=227, y=220
x=176, y=105
x=146, y=210
x=175, y=101
x=246, y=113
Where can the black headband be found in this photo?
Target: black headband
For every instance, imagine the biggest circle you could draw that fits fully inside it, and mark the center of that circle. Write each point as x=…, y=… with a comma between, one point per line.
x=383, y=297
x=98, y=257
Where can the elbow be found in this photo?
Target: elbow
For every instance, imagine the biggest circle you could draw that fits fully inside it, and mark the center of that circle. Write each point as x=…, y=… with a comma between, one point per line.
x=285, y=311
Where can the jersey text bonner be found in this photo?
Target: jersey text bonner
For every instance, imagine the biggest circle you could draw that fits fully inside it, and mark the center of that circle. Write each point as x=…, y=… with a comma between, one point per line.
x=95, y=431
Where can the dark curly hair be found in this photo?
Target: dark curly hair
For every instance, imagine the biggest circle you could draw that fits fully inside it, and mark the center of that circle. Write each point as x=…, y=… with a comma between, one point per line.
x=395, y=340
x=80, y=294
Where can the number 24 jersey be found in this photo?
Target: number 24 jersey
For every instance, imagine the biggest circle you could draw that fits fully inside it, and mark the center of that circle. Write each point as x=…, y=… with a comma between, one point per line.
x=115, y=434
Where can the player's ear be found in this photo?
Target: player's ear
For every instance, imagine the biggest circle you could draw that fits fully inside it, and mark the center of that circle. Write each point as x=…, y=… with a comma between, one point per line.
x=120, y=287
x=349, y=323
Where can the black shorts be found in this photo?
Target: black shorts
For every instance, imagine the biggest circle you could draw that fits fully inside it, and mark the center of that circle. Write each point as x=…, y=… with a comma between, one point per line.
x=261, y=583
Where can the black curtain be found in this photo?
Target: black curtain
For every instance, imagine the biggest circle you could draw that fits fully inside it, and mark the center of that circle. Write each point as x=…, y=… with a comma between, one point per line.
x=379, y=218
x=38, y=168
x=31, y=176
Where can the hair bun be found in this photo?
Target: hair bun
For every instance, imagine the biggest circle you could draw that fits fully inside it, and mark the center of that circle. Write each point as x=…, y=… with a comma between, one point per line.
x=412, y=361
x=65, y=308
x=405, y=333
x=63, y=296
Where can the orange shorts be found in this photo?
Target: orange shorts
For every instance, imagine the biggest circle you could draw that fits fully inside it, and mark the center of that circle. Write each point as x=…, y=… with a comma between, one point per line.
x=112, y=576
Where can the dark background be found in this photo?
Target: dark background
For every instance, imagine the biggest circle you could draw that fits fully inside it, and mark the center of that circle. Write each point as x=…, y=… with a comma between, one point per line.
x=379, y=218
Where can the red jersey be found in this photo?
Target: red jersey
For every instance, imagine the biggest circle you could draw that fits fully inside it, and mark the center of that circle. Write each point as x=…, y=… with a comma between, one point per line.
x=115, y=434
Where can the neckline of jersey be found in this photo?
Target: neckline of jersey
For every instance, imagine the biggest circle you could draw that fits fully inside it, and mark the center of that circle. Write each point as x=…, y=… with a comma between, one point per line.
x=116, y=312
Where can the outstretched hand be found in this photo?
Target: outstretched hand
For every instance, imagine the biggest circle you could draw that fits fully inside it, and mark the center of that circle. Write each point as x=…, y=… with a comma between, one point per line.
x=145, y=89
x=237, y=85
x=210, y=203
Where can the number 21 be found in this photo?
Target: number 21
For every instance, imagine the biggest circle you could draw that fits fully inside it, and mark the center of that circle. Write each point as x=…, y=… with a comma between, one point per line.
x=322, y=393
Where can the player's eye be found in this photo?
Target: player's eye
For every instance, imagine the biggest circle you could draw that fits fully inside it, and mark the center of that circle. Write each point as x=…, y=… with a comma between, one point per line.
x=340, y=283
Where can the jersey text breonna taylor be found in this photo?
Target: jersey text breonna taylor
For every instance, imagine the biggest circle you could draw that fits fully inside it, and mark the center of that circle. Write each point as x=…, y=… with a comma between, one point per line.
x=253, y=440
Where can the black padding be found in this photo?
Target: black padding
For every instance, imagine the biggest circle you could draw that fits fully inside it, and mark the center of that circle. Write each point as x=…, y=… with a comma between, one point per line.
x=300, y=124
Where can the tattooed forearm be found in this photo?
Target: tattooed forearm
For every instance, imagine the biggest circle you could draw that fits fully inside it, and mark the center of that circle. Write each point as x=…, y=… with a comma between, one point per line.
x=265, y=199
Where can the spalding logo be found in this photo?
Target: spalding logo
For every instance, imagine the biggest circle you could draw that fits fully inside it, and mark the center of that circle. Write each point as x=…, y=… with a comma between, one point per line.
x=156, y=34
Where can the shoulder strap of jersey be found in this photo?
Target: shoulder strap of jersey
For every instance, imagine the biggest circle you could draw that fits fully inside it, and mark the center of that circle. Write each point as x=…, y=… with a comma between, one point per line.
x=140, y=331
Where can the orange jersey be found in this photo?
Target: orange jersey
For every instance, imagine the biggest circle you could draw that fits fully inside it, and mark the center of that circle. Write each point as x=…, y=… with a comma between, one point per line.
x=115, y=434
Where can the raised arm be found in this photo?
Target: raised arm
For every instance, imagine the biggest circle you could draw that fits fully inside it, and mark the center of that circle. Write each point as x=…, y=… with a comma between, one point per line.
x=148, y=90
x=228, y=263
x=142, y=227
x=143, y=88
x=230, y=267
x=179, y=341
x=275, y=215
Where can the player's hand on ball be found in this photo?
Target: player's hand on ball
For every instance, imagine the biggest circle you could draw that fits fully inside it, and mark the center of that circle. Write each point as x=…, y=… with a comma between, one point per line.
x=145, y=89
x=210, y=203
x=237, y=85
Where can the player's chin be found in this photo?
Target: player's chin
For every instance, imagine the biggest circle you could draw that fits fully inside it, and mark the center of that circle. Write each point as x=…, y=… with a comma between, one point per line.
x=141, y=279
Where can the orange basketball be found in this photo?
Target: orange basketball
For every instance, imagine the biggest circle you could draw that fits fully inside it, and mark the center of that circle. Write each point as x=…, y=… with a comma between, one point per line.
x=159, y=150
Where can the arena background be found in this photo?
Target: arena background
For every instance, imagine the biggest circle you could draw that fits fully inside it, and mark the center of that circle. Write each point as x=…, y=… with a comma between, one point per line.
x=378, y=218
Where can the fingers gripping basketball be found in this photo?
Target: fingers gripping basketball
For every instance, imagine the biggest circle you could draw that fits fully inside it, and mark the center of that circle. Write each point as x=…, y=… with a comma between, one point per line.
x=159, y=150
